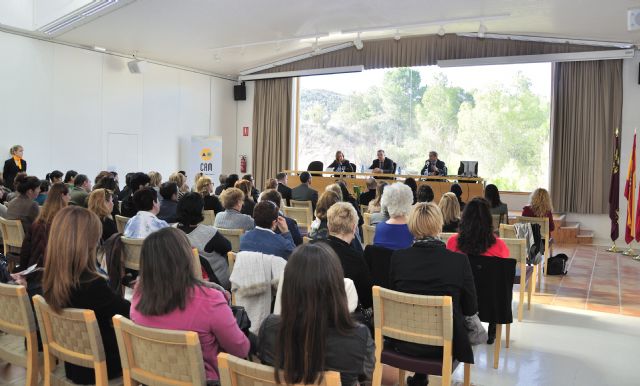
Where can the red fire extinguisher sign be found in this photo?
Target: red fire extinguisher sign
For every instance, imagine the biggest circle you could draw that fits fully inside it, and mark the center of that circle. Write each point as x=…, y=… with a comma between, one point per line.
x=245, y=131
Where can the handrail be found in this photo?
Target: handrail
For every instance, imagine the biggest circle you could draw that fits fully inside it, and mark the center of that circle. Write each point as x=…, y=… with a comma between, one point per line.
x=415, y=176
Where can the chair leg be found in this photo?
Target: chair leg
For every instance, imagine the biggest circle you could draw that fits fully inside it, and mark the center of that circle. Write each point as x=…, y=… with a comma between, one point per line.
x=531, y=288
x=508, y=337
x=377, y=374
x=523, y=284
x=467, y=374
x=497, y=344
x=402, y=377
x=547, y=252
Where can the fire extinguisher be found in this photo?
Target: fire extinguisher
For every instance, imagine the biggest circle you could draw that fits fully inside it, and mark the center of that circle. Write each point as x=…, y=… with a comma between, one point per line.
x=243, y=164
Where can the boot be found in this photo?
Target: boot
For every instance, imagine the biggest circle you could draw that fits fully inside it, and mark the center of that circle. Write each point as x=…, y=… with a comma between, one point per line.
x=491, y=333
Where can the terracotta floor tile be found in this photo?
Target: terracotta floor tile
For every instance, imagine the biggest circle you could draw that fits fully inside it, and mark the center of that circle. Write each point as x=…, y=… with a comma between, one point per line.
x=603, y=308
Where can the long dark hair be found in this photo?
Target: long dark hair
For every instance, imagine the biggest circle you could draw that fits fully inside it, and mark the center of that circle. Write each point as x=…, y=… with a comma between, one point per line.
x=492, y=195
x=475, y=233
x=163, y=287
x=346, y=195
x=313, y=300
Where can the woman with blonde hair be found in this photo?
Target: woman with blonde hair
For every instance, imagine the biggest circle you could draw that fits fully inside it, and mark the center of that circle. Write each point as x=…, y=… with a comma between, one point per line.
x=248, y=204
x=35, y=241
x=14, y=165
x=101, y=203
x=450, y=208
x=336, y=189
x=82, y=286
x=155, y=179
x=374, y=205
x=271, y=183
x=204, y=187
x=196, y=178
x=232, y=200
x=540, y=206
x=319, y=227
x=181, y=181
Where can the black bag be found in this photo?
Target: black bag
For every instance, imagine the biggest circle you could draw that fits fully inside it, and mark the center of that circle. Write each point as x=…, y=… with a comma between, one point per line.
x=557, y=265
x=5, y=277
x=242, y=318
x=536, y=252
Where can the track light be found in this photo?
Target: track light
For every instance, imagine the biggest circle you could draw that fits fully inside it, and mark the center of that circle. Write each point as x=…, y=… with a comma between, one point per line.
x=358, y=42
x=482, y=30
x=441, y=31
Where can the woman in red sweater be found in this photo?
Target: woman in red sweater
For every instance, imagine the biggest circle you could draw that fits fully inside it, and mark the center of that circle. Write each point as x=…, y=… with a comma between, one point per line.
x=540, y=206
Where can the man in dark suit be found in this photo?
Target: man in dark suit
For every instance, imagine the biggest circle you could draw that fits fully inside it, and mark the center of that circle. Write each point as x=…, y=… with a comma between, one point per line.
x=283, y=189
x=382, y=164
x=433, y=166
x=370, y=194
x=303, y=192
x=222, y=178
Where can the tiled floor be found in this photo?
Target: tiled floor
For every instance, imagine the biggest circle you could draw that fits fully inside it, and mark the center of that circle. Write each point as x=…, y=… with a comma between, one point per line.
x=597, y=280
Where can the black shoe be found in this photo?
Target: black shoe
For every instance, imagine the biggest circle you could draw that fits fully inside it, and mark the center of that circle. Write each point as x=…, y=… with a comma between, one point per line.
x=412, y=381
x=491, y=333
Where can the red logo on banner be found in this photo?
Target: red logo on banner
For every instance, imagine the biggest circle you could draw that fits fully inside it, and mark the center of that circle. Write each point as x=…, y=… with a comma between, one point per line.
x=245, y=131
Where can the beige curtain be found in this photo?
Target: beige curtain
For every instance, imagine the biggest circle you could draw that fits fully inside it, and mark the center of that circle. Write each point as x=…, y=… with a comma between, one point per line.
x=426, y=51
x=586, y=108
x=272, y=128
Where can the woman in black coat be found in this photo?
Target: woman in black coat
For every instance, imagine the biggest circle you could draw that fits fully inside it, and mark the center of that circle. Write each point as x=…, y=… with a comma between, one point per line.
x=428, y=268
x=13, y=166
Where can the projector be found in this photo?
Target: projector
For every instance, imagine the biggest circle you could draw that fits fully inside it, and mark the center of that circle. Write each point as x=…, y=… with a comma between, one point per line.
x=633, y=19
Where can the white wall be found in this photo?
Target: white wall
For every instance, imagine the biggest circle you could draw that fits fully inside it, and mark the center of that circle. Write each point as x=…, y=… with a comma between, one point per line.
x=245, y=118
x=68, y=106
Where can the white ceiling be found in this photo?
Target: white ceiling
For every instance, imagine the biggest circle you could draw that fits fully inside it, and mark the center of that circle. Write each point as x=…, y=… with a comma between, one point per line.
x=187, y=32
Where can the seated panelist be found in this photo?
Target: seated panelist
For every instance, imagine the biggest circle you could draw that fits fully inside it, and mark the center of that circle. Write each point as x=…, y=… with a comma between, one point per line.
x=382, y=164
x=340, y=164
x=433, y=166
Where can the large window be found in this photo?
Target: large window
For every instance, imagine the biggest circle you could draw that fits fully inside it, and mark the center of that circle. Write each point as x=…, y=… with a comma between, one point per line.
x=496, y=115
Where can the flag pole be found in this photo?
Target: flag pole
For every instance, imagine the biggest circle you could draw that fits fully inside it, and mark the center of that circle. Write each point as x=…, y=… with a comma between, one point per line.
x=614, y=193
x=629, y=192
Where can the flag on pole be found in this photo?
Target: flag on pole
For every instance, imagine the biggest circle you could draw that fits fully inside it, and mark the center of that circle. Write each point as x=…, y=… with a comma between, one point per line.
x=629, y=194
x=614, y=190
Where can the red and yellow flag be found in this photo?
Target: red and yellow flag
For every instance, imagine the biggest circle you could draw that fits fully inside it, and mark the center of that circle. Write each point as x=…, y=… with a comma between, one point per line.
x=629, y=194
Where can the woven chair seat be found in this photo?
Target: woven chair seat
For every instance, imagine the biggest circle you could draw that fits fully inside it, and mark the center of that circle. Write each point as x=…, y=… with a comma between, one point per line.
x=12, y=349
x=431, y=366
x=59, y=379
x=527, y=274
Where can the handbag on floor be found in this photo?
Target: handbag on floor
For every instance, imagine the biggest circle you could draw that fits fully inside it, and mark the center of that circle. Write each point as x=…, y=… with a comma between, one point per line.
x=557, y=265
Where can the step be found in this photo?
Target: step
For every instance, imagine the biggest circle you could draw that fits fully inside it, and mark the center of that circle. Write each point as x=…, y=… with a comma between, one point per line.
x=571, y=226
x=585, y=237
x=559, y=219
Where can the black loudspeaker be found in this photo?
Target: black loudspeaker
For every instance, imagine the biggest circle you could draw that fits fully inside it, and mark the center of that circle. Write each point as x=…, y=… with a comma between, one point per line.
x=240, y=92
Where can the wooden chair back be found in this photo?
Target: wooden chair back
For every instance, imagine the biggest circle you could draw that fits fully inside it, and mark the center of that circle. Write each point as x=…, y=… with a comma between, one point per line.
x=12, y=234
x=131, y=249
x=518, y=251
x=153, y=356
x=209, y=217
x=364, y=209
x=121, y=222
x=302, y=215
x=445, y=236
x=306, y=240
x=368, y=233
x=416, y=319
x=498, y=219
x=544, y=232
x=231, y=260
x=239, y=372
x=19, y=346
x=366, y=217
x=71, y=336
x=507, y=231
x=233, y=235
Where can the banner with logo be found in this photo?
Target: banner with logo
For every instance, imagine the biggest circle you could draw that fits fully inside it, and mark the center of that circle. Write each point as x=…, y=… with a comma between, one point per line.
x=205, y=156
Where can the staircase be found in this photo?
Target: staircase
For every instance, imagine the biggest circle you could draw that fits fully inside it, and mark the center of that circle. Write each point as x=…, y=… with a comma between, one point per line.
x=565, y=232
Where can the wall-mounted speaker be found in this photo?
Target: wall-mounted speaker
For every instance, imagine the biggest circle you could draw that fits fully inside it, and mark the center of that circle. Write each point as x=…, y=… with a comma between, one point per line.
x=136, y=66
x=240, y=92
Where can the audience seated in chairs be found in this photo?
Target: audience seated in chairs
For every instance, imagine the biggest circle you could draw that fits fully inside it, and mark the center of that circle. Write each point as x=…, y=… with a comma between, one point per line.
x=304, y=192
x=180, y=180
x=366, y=197
x=83, y=286
x=283, y=189
x=44, y=189
x=374, y=205
x=248, y=204
x=222, y=178
x=210, y=243
x=425, y=193
x=410, y=182
x=137, y=181
x=428, y=268
x=232, y=200
x=270, y=183
x=80, y=191
x=394, y=233
x=450, y=212
x=496, y=206
x=155, y=180
x=457, y=190
x=255, y=193
x=35, y=241
x=347, y=197
x=315, y=324
x=343, y=225
x=69, y=176
x=101, y=203
x=204, y=186
x=169, y=203
x=540, y=206
x=275, y=197
x=145, y=221
x=169, y=296
x=476, y=237
x=23, y=207
x=319, y=229
x=263, y=238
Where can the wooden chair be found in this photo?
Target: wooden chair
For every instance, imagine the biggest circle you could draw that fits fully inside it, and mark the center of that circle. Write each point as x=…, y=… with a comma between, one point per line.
x=121, y=222
x=209, y=217
x=445, y=236
x=498, y=219
x=153, y=356
x=70, y=336
x=233, y=235
x=131, y=252
x=368, y=233
x=231, y=260
x=364, y=209
x=544, y=232
x=303, y=216
x=417, y=319
x=306, y=240
x=518, y=251
x=18, y=322
x=12, y=238
x=366, y=217
x=239, y=372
